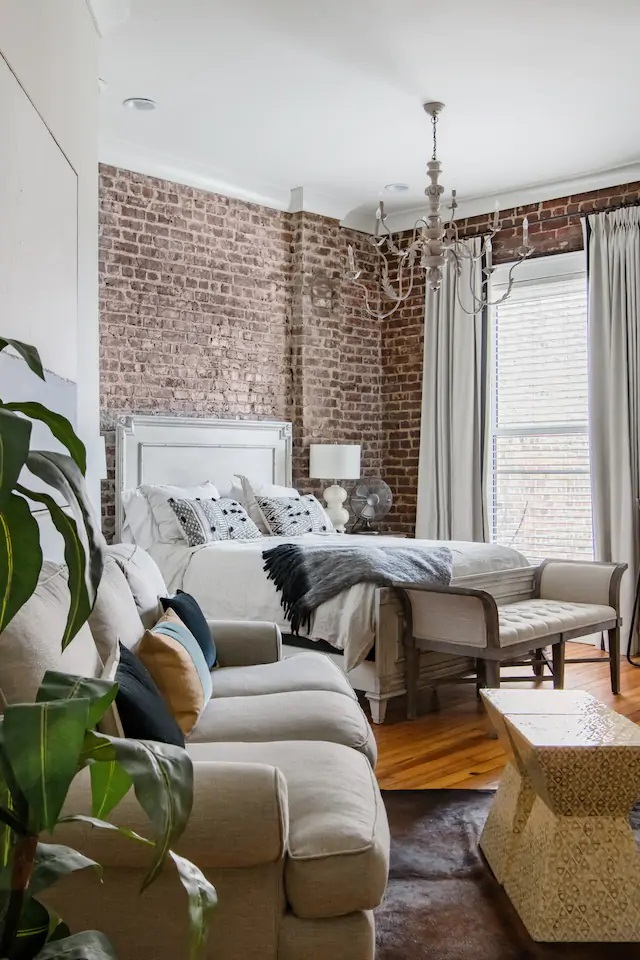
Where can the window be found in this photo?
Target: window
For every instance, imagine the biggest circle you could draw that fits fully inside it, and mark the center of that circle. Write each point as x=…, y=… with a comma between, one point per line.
x=540, y=489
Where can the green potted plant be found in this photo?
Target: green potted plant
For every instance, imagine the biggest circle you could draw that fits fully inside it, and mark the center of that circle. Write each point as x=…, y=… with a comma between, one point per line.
x=44, y=745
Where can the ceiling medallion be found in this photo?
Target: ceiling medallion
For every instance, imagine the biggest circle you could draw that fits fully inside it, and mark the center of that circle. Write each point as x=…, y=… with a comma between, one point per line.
x=433, y=243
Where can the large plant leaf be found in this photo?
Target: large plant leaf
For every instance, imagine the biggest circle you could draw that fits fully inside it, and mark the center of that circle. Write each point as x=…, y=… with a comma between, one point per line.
x=20, y=557
x=109, y=784
x=163, y=782
x=88, y=945
x=33, y=930
x=105, y=825
x=59, y=426
x=81, y=601
x=202, y=900
x=54, y=861
x=65, y=686
x=60, y=472
x=15, y=434
x=58, y=929
x=28, y=353
x=42, y=743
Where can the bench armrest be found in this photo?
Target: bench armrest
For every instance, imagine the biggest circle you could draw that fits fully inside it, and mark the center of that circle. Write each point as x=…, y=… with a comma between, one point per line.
x=450, y=614
x=580, y=581
x=245, y=643
x=239, y=819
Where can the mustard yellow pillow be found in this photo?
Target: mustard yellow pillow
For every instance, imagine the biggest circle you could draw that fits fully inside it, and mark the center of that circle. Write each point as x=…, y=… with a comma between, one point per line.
x=176, y=663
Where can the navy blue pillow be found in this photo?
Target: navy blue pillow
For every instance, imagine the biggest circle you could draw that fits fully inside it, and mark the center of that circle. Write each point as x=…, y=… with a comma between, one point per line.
x=188, y=609
x=144, y=713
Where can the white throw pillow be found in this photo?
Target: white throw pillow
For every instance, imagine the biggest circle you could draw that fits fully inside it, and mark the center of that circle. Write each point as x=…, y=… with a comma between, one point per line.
x=250, y=491
x=204, y=521
x=169, y=530
x=139, y=524
x=293, y=516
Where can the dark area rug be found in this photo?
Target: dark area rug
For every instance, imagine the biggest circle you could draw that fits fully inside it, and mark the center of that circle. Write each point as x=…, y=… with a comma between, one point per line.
x=442, y=902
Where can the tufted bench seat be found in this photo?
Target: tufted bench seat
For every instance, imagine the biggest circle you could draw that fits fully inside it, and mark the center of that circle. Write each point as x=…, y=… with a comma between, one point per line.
x=571, y=599
x=531, y=620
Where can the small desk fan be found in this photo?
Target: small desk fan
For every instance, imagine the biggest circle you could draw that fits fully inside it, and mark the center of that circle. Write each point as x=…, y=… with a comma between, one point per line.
x=370, y=501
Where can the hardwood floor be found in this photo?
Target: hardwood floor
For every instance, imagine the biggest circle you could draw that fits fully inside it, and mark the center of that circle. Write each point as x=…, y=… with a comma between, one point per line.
x=451, y=748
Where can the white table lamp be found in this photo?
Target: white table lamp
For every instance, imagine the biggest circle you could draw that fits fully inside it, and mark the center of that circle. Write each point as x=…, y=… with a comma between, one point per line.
x=335, y=461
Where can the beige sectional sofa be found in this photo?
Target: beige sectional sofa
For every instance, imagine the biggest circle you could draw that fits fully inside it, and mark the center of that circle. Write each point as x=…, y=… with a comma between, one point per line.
x=288, y=821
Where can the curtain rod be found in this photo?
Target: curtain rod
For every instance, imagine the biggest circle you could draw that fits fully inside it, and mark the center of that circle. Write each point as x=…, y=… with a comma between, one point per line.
x=534, y=217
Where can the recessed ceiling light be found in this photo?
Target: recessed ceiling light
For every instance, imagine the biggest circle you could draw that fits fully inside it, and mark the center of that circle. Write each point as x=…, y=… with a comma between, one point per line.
x=139, y=103
x=397, y=187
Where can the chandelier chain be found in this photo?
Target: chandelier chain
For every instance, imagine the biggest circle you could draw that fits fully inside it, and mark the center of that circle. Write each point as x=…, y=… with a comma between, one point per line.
x=434, y=123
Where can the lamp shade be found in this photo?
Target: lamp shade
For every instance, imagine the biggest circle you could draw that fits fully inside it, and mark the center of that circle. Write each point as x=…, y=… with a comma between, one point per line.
x=334, y=461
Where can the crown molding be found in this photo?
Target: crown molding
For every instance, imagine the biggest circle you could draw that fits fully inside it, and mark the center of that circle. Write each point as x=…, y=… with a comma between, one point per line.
x=108, y=15
x=313, y=201
x=534, y=193
x=121, y=153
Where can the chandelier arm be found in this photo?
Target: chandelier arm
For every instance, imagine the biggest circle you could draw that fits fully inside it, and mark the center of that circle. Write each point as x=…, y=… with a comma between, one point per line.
x=387, y=287
x=369, y=307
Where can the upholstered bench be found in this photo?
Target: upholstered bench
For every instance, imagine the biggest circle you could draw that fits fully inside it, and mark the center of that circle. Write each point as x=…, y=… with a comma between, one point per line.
x=571, y=599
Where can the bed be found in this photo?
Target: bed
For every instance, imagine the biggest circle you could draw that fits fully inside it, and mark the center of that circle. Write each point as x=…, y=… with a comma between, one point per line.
x=361, y=630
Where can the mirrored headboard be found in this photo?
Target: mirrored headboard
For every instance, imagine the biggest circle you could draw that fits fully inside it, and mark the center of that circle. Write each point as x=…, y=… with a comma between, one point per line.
x=186, y=451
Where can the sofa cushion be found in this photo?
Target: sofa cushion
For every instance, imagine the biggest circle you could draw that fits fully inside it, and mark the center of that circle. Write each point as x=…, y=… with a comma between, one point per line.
x=189, y=611
x=114, y=616
x=31, y=643
x=144, y=578
x=338, y=857
x=303, y=671
x=176, y=663
x=305, y=715
x=142, y=711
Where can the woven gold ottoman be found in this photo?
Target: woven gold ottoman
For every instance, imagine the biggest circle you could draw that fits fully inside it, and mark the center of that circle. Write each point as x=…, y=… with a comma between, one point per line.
x=573, y=869
x=514, y=799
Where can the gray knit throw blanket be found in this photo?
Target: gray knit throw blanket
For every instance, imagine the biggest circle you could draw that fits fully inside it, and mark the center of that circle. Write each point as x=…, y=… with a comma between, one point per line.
x=309, y=576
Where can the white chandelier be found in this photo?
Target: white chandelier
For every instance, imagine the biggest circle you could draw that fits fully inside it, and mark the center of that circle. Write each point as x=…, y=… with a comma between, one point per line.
x=433, y=244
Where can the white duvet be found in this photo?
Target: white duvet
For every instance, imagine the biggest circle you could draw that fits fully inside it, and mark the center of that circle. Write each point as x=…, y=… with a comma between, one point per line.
x=229, y=583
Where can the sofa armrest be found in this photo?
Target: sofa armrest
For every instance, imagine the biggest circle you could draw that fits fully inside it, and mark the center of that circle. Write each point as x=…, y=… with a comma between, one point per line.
x=239, y=819
x=244, y=643
x=580, y=581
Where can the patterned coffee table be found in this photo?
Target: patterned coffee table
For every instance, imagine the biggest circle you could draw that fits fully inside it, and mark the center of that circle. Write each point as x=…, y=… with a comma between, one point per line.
x=558, y=836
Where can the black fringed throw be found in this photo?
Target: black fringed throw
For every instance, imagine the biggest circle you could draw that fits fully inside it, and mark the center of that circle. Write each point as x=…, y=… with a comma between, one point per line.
x=309, y=576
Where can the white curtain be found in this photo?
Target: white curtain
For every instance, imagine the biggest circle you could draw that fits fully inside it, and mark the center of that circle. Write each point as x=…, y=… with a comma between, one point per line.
x=453, y=430
x=613, y=263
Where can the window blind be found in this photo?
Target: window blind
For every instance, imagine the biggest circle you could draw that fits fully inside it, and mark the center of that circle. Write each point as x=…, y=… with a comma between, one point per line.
x=541, y=491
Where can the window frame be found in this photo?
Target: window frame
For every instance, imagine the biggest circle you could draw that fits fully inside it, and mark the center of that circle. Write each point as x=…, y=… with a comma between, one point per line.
x=539, y=270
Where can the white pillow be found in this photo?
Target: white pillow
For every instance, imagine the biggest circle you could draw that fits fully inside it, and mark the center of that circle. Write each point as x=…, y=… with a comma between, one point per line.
x=168, y=528
x=251, y=491
x=139, y=520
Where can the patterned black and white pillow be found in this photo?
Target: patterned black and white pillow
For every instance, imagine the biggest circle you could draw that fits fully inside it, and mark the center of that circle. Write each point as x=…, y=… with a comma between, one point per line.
x=204, y=521
x=291, y=516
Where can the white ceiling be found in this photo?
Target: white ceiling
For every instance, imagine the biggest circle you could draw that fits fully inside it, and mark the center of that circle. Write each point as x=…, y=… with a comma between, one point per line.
x=259, y=97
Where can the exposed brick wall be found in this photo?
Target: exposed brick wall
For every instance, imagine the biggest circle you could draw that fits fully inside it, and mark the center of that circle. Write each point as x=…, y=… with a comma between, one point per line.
x=335, y=348
x=215, y=307
x=551, y=230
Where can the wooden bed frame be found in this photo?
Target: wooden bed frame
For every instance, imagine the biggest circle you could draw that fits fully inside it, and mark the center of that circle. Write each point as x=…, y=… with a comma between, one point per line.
x=177, y=450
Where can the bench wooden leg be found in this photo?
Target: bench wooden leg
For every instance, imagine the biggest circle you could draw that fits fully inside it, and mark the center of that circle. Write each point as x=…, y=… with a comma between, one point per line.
x=412, y=670
x=537, y=662
x=492, y=674
x=481, y=677
x=557, y=656
x=614, y=659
